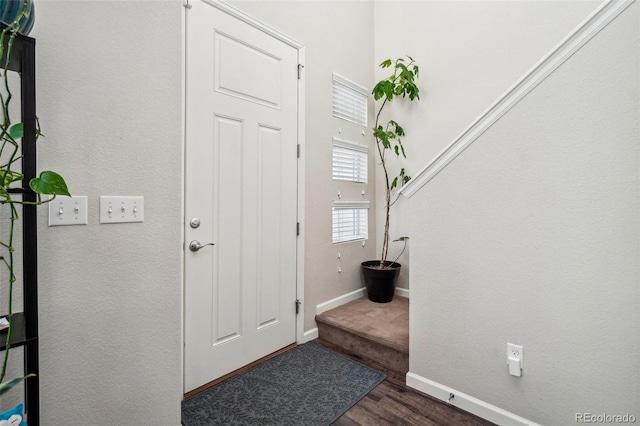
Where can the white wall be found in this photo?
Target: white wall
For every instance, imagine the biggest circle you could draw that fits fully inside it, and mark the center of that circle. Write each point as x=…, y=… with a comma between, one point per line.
x=338, y=37
x=109, y=99
x=470, y=53
x=109, y=78
x=531, y=236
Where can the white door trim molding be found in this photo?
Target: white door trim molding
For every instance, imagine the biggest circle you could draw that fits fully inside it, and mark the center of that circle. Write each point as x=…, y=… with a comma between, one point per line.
x=591, y=26
x=466, y=402
x=230, y=10
x=300, y=335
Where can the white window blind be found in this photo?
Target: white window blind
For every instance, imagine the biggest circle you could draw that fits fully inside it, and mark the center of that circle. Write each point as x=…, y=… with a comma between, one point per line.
x=349, y=100
x=350, y=221
x=349, y=161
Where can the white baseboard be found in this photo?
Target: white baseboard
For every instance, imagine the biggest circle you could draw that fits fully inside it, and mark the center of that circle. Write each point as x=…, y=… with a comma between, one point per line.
x=346, y=298
x=340, y=300
x=310, y=335
x=466, y=402
x=402, y=292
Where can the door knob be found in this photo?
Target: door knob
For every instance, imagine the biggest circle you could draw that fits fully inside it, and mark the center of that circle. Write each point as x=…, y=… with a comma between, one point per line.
x=195, y=245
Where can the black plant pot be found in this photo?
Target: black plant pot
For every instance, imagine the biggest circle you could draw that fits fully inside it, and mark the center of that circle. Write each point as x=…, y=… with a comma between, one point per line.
x=380, y=282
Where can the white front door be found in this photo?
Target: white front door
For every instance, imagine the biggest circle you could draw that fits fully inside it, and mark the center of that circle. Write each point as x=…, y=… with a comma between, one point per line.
x=241, y=194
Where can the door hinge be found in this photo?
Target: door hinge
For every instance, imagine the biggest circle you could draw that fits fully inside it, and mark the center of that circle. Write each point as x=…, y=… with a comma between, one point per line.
x=297, y=228
x=300, y=67
x=186, y=4
x=298, y=151
x=297, y=306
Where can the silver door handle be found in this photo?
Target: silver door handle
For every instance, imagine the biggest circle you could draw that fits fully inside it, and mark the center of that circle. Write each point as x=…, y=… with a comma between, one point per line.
x=195, y=245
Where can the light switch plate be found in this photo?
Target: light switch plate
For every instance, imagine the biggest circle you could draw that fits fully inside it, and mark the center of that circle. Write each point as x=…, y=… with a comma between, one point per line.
x=68, y=210
x=116, y=209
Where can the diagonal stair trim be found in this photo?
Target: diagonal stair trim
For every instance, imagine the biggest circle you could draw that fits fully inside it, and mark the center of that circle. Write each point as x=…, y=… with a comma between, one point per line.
x=587, y=29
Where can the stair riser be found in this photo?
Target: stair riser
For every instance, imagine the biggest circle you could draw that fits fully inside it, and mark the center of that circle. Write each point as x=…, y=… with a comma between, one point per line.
x=367, y=349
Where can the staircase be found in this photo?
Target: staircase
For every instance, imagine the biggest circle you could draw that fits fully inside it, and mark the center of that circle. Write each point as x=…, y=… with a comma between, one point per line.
x=376, y=334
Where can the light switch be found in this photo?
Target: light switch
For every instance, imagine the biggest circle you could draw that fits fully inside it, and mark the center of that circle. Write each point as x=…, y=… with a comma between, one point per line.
x=115, y=209
x=68, y=210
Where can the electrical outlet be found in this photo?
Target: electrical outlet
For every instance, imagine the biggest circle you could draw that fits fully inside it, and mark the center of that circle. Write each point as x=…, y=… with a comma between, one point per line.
x=515, y=351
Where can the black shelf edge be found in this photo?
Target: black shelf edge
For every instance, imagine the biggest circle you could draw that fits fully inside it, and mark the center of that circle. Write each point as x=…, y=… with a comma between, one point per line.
x=18, y=332
x=24, y=332
x=15, y=64
x=18, y=190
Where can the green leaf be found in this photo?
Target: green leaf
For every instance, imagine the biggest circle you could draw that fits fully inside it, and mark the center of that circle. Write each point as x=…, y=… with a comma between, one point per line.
x=10, y=176
x=413, y=91
x=386, y=63
x=383, y=88
x=49, y=183
x=399, y=129
x=394, y=183
x=16, y=131
x=396, y=148
x=4, y=387
x=380, y=134
x=401, y=239
x=388, y=87
x=377, y=91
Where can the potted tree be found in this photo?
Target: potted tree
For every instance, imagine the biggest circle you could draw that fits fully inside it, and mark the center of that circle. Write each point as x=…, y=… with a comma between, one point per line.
x=380, y=275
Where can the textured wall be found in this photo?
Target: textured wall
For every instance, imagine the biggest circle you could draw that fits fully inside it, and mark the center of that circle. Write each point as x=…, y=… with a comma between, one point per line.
x=338, y=38
x=531, y=236
x=109, y=99
x=470, y=53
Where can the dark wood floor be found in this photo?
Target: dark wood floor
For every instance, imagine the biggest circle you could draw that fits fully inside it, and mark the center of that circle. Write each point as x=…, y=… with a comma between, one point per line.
x=393, y=403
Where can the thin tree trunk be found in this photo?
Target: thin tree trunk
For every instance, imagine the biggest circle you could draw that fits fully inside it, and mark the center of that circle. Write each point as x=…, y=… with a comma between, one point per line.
x=385, y=237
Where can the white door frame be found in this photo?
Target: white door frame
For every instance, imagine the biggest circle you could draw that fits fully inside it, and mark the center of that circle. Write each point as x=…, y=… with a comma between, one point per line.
x=301, y=161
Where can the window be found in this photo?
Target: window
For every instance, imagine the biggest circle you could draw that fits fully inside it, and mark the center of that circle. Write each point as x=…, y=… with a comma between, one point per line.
x=349, y=161
x=350, y=220
x=349, y=101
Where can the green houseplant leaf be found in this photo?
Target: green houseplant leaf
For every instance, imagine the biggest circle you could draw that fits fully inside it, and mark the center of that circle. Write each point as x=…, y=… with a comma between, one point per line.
x=17, y=131
x=49, y=183
x=10, y=176
x=5, y=386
